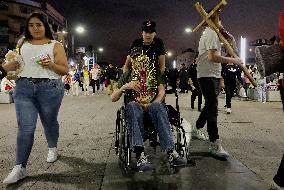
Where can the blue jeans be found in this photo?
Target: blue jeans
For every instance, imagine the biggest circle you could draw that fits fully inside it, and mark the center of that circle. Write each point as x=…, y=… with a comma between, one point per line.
x=210, y=88
x=41, y=98
x=261, y=90
x=159, y=117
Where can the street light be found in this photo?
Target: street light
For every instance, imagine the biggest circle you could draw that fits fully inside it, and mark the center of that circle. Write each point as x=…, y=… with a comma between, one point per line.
x=79, y=30
x=189, y=30
x=172, y=59
x=95, y=55
x=169, y=54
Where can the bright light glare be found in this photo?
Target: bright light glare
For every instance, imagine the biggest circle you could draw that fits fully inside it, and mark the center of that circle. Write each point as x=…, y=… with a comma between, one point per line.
x=80, y=29
x=174, y=64
x=188, y=30
x=101, y=49
x=243, y=49
x=169, y=54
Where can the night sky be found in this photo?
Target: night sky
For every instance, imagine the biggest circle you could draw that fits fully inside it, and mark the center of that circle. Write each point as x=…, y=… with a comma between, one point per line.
x=113, y=24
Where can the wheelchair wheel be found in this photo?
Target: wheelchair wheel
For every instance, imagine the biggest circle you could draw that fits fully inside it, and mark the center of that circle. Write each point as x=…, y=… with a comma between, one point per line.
x=180, y=145
x=121, y=135
x=124, y=150
x=117, y=131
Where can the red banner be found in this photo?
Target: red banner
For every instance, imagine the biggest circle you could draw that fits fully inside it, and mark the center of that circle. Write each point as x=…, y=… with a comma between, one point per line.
x=281, y=25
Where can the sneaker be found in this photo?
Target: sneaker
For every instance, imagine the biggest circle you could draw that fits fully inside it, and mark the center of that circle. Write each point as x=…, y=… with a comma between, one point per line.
x=52, y=155
x=198, y=134
x=176, y=160
x=274, y=186
x=16, y=174
x=228, y=110
x=216, y=149
x=143, y=164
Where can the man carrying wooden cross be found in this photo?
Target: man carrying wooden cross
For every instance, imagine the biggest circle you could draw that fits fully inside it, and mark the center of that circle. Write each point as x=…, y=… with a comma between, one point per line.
x=209, y=74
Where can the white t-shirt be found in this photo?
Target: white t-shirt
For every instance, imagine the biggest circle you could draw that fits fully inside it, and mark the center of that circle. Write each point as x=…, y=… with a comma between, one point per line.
x=205, y=68
x=72, y=73
x=95, y=73
x=31, y=53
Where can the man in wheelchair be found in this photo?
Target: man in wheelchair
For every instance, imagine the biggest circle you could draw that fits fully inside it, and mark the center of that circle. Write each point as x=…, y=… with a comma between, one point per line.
x=135, y=119
x=136, y=107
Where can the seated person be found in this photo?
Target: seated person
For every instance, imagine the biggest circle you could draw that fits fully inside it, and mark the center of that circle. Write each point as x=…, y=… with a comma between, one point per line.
x=136, y=107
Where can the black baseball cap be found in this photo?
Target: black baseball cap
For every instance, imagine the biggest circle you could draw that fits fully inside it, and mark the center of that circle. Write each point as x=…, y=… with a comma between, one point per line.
x=149, y=26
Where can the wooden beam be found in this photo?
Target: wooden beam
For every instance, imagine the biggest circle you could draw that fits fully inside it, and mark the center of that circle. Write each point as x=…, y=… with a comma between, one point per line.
x=220, y=5
x=227, y=45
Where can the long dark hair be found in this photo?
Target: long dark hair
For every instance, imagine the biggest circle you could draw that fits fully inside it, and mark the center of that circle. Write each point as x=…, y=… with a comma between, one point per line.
x=43, y=19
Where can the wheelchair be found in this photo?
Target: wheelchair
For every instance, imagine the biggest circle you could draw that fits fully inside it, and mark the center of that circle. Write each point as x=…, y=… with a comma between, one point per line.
x=122, y=137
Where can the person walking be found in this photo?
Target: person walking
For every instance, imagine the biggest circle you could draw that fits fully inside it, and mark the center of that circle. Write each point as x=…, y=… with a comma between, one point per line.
x=196, y=92
x=152, y=46
x=111, y=76
x=86, y=80
x=95, y=76
x=230, y=73
x=209, y=73
x=183, y=79
x=39, y=91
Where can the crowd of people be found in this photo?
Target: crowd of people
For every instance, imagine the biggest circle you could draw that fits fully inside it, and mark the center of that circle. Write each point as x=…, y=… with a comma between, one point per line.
x=99, y=78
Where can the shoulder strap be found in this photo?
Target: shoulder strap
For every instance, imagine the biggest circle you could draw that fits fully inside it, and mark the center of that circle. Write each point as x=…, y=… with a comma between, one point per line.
x=20, y=43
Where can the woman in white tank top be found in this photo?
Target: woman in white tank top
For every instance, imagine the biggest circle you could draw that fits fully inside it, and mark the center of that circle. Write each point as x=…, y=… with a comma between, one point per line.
x=38, y=92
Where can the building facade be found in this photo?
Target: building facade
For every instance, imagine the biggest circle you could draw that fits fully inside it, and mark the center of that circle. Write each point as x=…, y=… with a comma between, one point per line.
x=13, y=14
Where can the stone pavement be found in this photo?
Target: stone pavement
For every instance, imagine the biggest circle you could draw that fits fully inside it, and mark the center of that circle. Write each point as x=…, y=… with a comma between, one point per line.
x=87, y=159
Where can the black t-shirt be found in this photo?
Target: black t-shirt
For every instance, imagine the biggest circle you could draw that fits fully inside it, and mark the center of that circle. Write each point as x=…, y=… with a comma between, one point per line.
x=153, y=51
x=230, y=73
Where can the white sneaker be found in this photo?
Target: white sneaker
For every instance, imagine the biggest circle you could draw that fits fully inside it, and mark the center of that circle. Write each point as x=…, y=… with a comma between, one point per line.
x=16, y=174
x=198, y=134
x=274, y=186
x=216, y=149
x=52, y=155
x=228, y=110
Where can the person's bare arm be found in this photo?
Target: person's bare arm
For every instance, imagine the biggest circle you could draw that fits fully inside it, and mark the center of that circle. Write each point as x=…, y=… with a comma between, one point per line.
x=215, y=57
x=162, y=63
x=127, y=64
x=60, y=65
x=161, y=93
x=117, y=93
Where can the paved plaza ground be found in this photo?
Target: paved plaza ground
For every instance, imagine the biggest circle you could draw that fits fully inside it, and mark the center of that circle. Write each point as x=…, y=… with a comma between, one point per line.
x=252, y=134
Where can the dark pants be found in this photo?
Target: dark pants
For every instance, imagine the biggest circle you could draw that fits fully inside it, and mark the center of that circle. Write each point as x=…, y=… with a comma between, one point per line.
x=278, y=179
x=183, y=85
x=282, y=95
x=210, y=88
x=246, y=87
x=229, y=90
x=95, y=83
x=196, y=92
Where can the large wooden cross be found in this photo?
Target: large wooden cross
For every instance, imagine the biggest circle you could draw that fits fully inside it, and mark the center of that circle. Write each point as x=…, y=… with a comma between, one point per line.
x=207, y=18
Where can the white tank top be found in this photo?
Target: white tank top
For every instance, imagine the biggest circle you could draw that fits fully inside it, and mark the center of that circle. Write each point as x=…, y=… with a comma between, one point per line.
x=30, y=54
